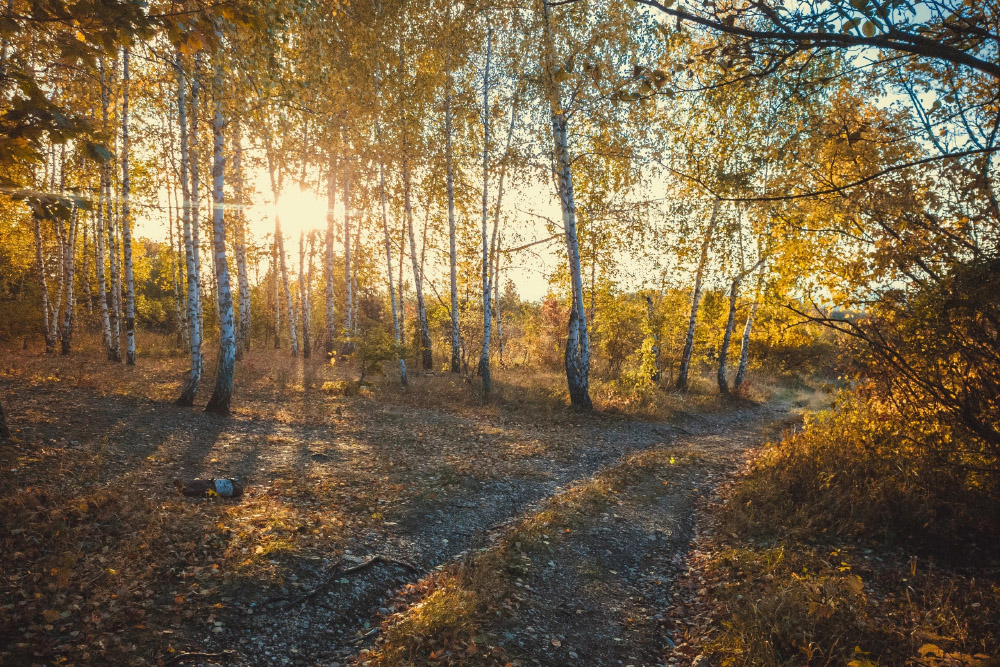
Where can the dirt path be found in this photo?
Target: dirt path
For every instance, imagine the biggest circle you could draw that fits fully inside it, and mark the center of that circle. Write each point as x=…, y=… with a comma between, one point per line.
x=627, y=549
x=103, y=562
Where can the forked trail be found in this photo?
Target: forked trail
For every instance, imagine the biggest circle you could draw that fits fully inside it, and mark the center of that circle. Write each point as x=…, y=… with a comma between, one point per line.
x=350, y=500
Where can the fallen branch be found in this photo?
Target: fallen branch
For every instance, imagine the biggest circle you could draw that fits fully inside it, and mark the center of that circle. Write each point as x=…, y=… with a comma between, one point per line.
x=365, y=636
x=378, y=558
x=336, y=574
x=183, y=657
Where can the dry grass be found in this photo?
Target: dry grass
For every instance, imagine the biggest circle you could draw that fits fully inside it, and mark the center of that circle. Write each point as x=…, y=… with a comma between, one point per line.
x=841, y=545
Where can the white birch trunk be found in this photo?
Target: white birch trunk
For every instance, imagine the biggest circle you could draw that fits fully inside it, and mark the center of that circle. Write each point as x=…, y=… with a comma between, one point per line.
x=243, y=335
x=289, y=306
x=277, y=292
x=304, y=296
x=222, y=395
x=280, y=251
x=69, y=278
x=727, y=337
x=348, y=291
x=456, y=360
x=741, y=372
x=114, y=340
x=577, y=343
x=127, y=222
x=682, y=376
x=426, y=353
x=484, y=354
x=196, y=199
x=388, y=261
x=494, y=278
x=88, y=285
x=331, y=200
x=50, y=343
x=190, y=247
x=99, y=261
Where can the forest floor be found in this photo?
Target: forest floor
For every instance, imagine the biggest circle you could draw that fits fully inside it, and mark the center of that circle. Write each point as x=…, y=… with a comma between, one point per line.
x=386, y=526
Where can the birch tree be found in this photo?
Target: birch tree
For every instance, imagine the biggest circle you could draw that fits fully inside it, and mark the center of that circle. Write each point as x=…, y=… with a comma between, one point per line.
x=279, y=251
x=243, y=334
x=388, y=259
x=577, y=341
x=304, y=296
x=114, y=347
x=706, y=242
x=741, y=371
x=331, y=200
x=50, y=343
x=126, y=220
x=190, y=244
x=221, y=398
x=99, y=260
x=484, y=355
x=456, y=359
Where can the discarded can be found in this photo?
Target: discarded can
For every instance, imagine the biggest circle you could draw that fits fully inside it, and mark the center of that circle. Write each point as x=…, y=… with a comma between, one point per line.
x=210, y=488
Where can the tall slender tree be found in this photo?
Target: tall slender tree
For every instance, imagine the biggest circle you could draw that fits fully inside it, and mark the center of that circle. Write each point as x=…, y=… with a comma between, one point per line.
x=126, y=219
x=221, y=398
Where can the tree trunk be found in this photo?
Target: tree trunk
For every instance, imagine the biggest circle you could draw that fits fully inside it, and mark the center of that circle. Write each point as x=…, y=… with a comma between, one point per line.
x=275, y=270
x=127, y=223
x=741, y=372
x=279, y=240
x=682, y=376
x=69, y=277
x=577, y=342
x=655, y=377
x=727, y=336
x=57, y=223
x=484, y=354
x=494, y=282
x=114, y=269
x=50, y=343
x=289, y=306
x=243, y=335
x=190, y=247
x=388, y=262
x=5, y=433
x=99, y=260
x=88, y=286
x=222, y=395
x=304, y=288
x=331, y=200
x=456, y=360
x=426, y=354
x=114, y=347
x=196, y=199
x=354, y=283
x=348, y=291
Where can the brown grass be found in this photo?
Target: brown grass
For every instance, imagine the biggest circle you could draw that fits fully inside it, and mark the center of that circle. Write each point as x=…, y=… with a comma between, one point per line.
x=841, y=545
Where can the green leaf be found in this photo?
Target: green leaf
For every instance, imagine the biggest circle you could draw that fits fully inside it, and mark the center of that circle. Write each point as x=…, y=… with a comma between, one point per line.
x=868, y=29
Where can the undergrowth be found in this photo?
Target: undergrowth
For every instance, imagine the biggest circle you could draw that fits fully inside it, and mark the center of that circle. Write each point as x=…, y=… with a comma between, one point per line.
x=846, y=544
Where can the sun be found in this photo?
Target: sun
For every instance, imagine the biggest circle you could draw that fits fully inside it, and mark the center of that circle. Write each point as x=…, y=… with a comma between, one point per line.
x=300, y=210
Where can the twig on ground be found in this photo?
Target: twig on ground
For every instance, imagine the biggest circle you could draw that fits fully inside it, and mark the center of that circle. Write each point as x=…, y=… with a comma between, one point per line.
x=365, y=636
x=323, y=585
x=183, y=657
